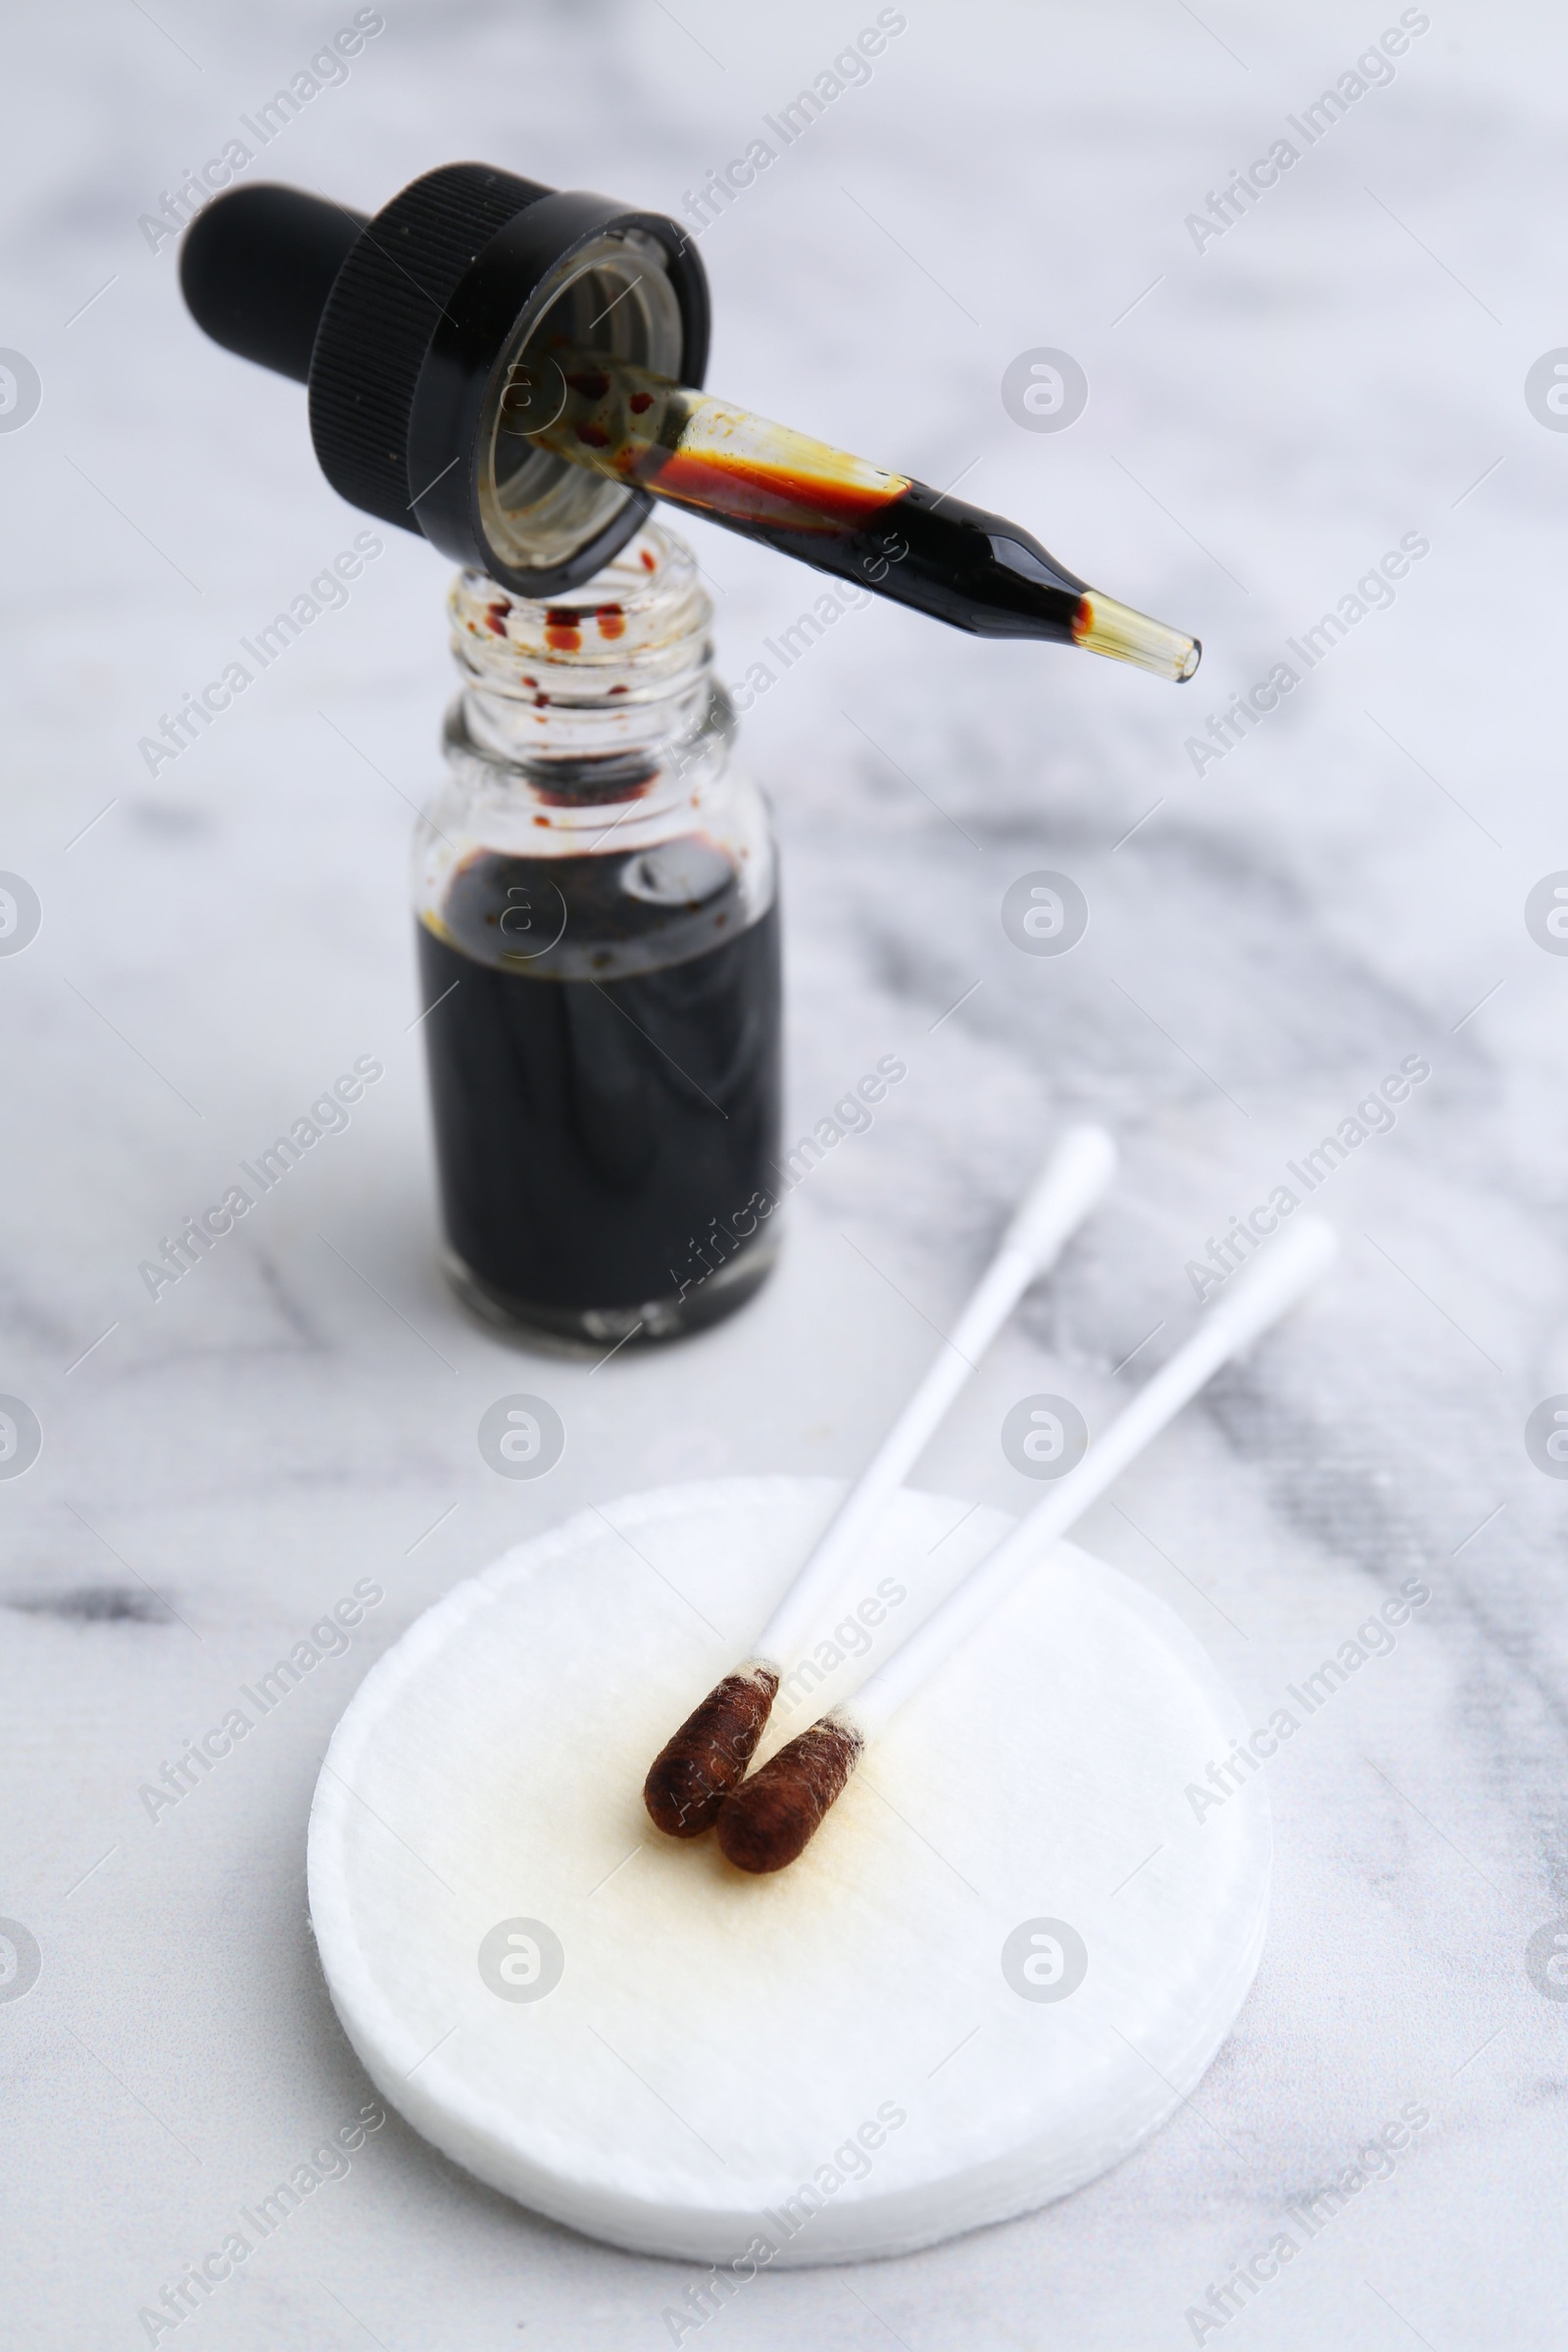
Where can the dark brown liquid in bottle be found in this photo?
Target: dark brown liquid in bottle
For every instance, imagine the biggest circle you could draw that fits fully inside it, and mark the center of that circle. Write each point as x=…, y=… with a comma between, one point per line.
x=605, y=1074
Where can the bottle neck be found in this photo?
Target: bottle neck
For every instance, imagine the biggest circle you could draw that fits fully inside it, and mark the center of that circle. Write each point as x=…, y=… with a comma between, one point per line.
x=600, y=696
x=591, y=737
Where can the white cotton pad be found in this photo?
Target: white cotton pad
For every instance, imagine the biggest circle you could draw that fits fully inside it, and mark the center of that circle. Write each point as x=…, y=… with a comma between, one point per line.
x=1009, y=1953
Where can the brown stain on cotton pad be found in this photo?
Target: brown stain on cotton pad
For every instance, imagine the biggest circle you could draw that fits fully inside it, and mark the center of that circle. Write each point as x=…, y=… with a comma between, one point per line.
x=691, y=1777
x=776, y=1816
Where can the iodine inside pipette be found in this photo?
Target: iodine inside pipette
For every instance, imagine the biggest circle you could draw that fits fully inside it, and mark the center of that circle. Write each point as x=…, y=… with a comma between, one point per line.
x=884, y=531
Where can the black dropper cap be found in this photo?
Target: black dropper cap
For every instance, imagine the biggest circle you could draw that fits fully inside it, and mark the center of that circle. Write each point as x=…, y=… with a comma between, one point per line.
x=421, y=333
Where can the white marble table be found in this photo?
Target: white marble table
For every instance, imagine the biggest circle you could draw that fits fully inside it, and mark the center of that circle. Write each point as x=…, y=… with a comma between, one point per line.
x=1346, y=889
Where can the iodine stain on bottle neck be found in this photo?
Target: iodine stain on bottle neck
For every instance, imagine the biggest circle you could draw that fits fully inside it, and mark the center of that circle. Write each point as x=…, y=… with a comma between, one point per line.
x=564, y=628
x=599, y=694
x=565, y=625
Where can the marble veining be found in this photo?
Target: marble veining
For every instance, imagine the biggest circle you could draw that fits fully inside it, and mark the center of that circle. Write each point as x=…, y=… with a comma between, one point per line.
x=1267, y=940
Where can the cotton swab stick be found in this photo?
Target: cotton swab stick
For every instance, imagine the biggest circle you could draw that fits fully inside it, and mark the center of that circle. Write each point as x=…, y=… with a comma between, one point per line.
x=708, y=1755
x=772, y=1817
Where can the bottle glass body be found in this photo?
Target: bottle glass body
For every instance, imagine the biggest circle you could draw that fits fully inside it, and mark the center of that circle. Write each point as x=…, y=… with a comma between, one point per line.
x=595, y=894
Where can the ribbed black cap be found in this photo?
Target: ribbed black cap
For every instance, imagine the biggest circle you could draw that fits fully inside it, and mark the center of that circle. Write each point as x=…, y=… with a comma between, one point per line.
x=404, y=326
x=387, y=304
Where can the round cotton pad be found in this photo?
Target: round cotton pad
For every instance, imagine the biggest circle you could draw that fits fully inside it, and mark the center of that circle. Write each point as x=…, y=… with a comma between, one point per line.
x=1010, y=1950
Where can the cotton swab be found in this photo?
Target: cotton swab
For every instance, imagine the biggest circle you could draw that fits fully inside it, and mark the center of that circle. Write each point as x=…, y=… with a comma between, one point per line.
x=708, y=1755
x=772, y=1817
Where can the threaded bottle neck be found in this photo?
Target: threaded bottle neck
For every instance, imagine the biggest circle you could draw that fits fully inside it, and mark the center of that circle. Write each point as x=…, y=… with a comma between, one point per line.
x=587, y=690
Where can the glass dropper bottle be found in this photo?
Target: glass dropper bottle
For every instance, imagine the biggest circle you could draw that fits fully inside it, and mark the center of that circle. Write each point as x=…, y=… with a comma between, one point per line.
x=898, y=537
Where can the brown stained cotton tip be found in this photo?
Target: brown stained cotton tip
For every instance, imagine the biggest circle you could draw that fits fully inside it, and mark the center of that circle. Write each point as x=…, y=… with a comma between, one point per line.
x=779, y=1810
x=690, y=1777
